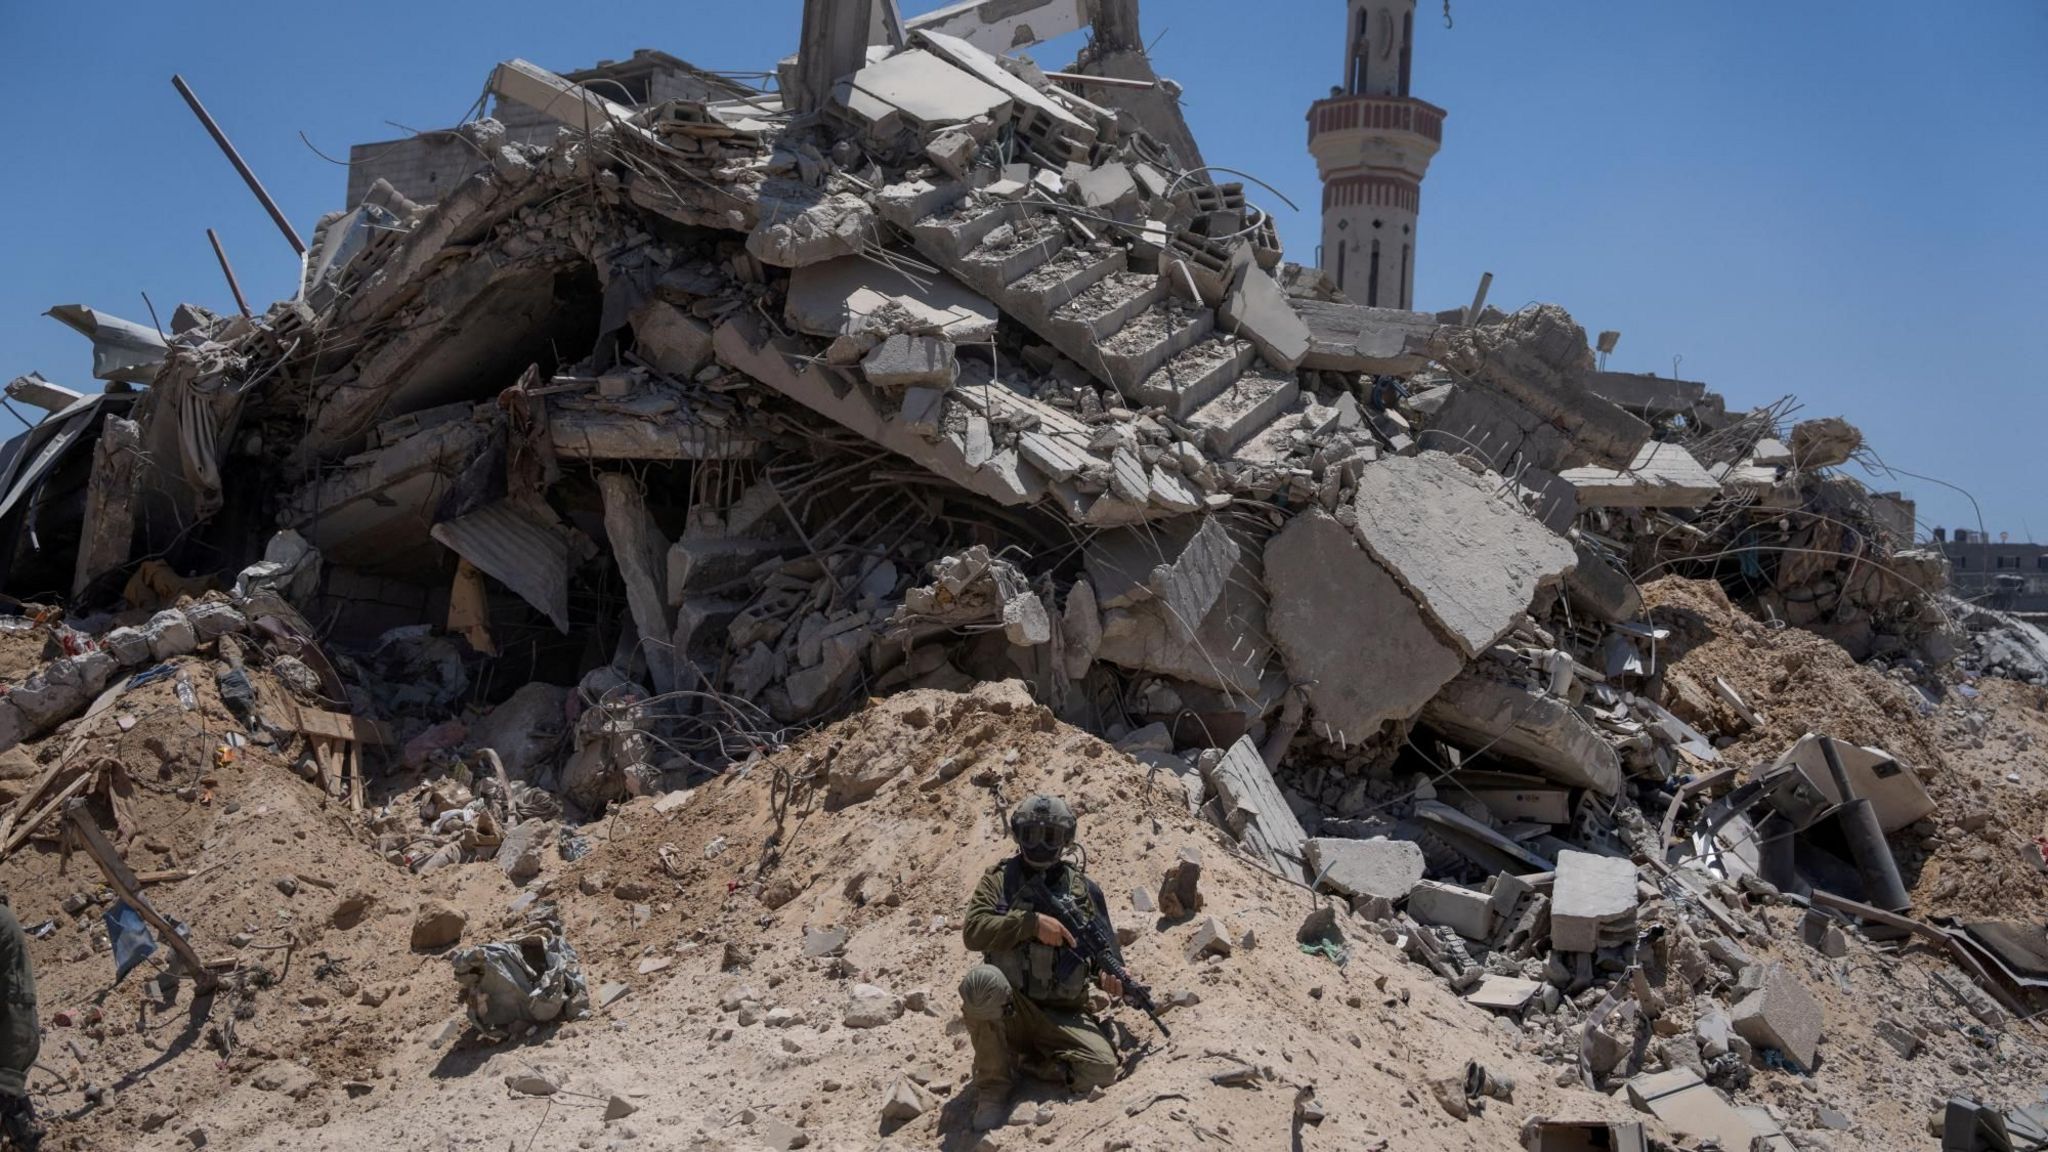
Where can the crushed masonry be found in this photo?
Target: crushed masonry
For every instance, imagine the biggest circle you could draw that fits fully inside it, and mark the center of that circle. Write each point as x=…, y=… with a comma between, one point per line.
x=663, y=433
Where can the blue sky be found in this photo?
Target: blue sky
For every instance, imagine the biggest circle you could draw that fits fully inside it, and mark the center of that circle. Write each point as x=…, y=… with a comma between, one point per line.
x=1839, y=200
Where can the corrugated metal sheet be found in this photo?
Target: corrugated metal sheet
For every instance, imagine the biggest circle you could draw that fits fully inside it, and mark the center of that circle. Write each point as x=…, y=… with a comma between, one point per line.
x=516, y=548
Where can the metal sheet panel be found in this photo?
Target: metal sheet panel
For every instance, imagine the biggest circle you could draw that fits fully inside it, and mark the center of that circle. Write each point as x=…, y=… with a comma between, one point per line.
x=513, y=546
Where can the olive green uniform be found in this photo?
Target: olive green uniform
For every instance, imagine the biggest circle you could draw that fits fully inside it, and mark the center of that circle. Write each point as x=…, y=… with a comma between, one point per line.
x=20, y=1038
x=1028, y=1002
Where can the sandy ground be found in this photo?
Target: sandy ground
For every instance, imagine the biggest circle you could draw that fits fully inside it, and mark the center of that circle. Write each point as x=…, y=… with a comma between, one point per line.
x=335, y=1035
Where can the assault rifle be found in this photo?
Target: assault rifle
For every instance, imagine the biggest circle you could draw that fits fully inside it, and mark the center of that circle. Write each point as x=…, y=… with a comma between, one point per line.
x=1096, y=943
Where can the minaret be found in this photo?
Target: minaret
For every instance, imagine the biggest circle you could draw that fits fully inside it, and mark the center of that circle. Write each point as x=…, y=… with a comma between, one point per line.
x=1373, y=143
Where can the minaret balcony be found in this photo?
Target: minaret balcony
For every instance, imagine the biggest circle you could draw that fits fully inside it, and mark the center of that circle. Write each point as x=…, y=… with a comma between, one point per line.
x=1376, y=114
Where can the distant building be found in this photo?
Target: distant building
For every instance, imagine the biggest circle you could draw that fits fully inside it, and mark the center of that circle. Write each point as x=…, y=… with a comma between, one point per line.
x=424, y=167
x=1373, y=143
x=1999, y=574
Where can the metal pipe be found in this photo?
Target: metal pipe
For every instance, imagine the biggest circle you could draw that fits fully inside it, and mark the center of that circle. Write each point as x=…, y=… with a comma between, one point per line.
x=1077, y=78
x=235, y=158
x=228, y=271
x=1479, y=299
x=1882, y=885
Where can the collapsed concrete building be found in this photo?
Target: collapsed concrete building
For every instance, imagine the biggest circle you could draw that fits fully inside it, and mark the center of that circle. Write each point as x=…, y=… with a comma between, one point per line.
x=687, y=417
x=698, y=419
x=929, y=368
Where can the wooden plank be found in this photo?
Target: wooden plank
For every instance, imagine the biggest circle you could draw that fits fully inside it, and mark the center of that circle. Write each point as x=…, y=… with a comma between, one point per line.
x=339, y=726
x=79, y=735
x=129, y=890
x=28, y=827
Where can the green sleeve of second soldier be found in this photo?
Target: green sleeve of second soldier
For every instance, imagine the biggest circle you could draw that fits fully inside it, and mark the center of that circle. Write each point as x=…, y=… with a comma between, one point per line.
x=990, y=930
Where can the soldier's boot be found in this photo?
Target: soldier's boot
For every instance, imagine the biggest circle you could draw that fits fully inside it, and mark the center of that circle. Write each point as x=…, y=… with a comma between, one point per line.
x=18, y=1122
x=985, y=1007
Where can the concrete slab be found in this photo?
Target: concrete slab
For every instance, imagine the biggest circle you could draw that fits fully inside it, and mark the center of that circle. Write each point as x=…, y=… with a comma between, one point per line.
x=985, y=68
x=1472, y=560
x=1466, y=418
x=1504, y=993
x=1257, y=309
x=850, y=297
x=1593, y=902
x=1655, y=397
x=1347, y=632
x=1388, y=869
x=1250, y=806
x=1782, y=1014
x=1600, y=587
x=1661, y=476
x=1371, y=341
x=927, y=90
x=1183, y=564
x=1690, y=1108
x=1527, y=726
x=1539, y=358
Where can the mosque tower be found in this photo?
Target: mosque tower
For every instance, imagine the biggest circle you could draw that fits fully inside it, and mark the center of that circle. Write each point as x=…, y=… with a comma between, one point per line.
x=1373, y=143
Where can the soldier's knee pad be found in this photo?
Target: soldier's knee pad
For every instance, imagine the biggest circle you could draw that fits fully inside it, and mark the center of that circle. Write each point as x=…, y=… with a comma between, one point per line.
x=984, y=993
x=1092, y=1071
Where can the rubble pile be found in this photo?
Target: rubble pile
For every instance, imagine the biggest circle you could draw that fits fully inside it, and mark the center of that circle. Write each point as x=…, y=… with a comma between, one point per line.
x=645, y=450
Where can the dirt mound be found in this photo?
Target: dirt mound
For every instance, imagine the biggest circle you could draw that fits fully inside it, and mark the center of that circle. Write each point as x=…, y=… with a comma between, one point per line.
x=726, y=933
x=1977, y=754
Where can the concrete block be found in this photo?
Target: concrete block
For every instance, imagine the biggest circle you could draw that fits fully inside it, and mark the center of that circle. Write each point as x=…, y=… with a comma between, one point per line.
x=1212, y=938
x=1347, y=632
x=1823, y=933
x=1729, y=955
x=1468, y=913
x=170, y=634
x=128, y=646
x=923, y=411
x=1783, y=1015
x=1715, y=1032
x=213, y=618
x=1109, y=190
x=672, y=340
x=1526, y=725
x=904, y=361
x=953, y=152
x=1258, y=309
x=1593, y=903
x=1474, y=562
x=13, y=726
x=1547, y=1134
x=1385, y=868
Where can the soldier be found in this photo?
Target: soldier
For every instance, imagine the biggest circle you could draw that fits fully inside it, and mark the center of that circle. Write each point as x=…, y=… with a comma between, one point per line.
x=21, y=1040
x=1026, y=1003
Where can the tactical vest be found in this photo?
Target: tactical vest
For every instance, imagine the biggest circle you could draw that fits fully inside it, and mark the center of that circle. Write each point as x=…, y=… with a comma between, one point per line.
x=1046, y=975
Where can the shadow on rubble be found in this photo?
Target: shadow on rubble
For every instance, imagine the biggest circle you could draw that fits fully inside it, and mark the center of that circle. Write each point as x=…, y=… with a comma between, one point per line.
x=957, y=1132
x=196, y=1016
x=471, y=1050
